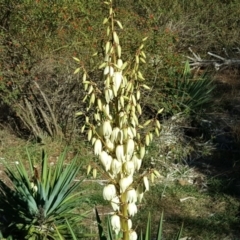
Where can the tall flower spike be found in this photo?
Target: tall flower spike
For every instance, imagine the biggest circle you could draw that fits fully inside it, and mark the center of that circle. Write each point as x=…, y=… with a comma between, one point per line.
x=116, y=137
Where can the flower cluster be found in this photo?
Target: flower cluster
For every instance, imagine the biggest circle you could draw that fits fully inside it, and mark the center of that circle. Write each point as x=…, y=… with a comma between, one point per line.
x=114, y=130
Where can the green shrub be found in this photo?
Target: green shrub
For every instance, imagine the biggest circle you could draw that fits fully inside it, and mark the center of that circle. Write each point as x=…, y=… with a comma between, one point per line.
x=36, y=205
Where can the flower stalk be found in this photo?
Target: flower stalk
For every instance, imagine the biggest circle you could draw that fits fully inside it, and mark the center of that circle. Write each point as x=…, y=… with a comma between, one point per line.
x=118, y=139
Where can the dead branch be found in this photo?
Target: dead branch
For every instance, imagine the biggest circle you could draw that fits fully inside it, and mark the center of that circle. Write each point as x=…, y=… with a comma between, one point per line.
x=218, y=63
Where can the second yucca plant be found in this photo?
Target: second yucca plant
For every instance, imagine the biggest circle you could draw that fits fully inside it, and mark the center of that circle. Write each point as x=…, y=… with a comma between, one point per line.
x=38, y=204
x=118, y=138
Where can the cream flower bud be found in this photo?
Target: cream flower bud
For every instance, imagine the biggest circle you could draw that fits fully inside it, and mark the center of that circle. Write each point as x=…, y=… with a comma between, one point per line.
x=132, y=209
x=116, y=223
x=97, y=147
x=106, y=109
x=33, y=186
x=105, y=159
x=107, y=129
x=131, y=196
x=124, y=183
x=109, y=192
x=93, y=140
x=120, y=153
x=133, y=235
x=117, y=80
x=129, y=133
x=108, y=95
x=108, y=70
x=120, y=137
x=146, y=183
x=128, y=168
x=119, y=63
x=116, y=166
x=129, y=223
x=109, y=144
x=114, y=134
x=137, y=162
x=129, y=147
x=115, y=203
x=140, y=193
x=94, y=173
x=109, y=162
x=142, y=151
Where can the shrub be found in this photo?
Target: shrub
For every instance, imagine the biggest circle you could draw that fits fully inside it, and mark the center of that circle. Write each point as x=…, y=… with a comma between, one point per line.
x=36, y=205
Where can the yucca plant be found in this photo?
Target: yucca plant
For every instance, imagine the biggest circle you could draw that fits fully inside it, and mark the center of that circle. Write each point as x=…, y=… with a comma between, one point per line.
x=192, y=94
x=37, y=205
x=119, y=139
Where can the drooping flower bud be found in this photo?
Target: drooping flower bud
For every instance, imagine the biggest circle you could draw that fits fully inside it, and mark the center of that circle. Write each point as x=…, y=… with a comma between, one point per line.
x=114, y=134
x=129, y=133
x=108, y=95
x=131, y=196
x=140, y=193
x=128, y=168
x=115, y=203
x=117, y=80
x=132, y=209
x=106, y=109
x=142, y=151
x=146, y=183
x=107, y=129
x=105, y=159
x=116, y=166
x=116, y=223
x=129, y=149
x=133, y=235
x=137, y=162
x=97, y=147
x=34, y=187
x=120, y=153
x=109, y=144
x=120, y=137
x=108, y=70
x=124, y=183
x=119, y=62
x=129, y=223
x=109, y=192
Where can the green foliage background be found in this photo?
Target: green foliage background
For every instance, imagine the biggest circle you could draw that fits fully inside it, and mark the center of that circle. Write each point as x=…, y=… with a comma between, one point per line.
x=39, y=38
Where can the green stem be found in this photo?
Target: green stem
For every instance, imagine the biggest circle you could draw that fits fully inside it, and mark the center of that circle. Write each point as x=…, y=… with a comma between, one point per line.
x=124, y=220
